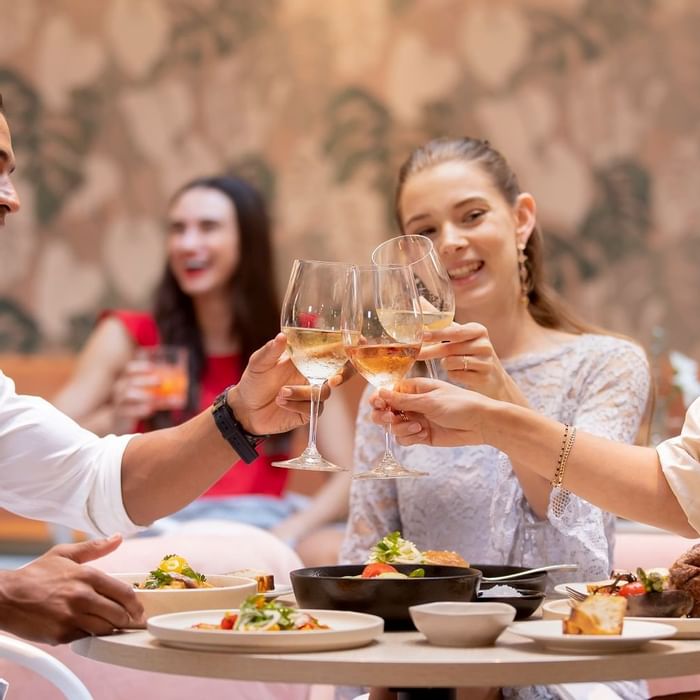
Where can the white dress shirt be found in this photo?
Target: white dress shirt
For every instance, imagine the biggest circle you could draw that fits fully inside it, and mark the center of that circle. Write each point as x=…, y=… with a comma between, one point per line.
x=680, y=461
x=52, y=469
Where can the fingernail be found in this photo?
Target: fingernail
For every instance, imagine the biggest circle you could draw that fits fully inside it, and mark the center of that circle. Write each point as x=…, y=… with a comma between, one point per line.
x=415, y=427
x=285, y=391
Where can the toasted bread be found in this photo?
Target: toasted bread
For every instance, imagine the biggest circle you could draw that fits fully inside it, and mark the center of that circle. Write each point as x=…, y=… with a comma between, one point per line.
x=597, y=614
x=444, y=558
x=265, y=581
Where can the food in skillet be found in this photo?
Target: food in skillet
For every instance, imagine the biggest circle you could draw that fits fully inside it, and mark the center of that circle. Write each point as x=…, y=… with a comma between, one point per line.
x=381, y=570
x=258, y=615
x=173, y=572
x=648, y=593
x=394, y=549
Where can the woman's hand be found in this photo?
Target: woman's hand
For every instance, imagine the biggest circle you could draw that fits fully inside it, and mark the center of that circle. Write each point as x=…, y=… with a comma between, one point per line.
x=431, y=412
x=133, y=399
x=468, y=357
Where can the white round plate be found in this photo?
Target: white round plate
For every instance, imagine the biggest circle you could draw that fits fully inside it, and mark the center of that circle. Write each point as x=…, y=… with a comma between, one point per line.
x=560, y=588
x=686, y=627
x=549, y=634
x=277, y=591
x=347, y=630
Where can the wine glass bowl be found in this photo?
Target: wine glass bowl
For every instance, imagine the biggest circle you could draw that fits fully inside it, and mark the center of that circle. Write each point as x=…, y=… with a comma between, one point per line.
x=382, y=334
x=311, y=321
x=433, y=284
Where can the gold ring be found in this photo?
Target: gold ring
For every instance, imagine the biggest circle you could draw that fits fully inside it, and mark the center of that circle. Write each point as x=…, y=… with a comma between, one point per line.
x=404, y=417
x=465, y=363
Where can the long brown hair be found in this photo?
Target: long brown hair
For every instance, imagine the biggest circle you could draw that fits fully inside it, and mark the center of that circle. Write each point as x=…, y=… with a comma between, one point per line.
x=255, y=314
x=546, y=306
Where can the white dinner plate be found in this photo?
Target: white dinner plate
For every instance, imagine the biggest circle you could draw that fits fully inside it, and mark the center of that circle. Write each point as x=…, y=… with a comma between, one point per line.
x=560, y=588
x=347, y=630
x=277, y=591
x=549, y=634
x=686, y=627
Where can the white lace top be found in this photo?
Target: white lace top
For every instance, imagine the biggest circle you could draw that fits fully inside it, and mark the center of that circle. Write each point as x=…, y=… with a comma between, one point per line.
x=472, y=501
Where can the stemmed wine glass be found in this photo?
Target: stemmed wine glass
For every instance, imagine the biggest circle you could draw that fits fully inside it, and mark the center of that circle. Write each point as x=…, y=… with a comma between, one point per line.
x=435, y=293
x=311, y=315
x=382, y=334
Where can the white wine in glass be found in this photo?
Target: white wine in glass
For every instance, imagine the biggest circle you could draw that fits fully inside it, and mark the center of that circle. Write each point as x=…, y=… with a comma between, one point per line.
x=382, y=334
x=311, y=316
x=435, y=293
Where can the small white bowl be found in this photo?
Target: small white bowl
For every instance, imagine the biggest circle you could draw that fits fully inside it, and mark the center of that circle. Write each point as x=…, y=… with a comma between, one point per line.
x=456, y=624
x=228, y=592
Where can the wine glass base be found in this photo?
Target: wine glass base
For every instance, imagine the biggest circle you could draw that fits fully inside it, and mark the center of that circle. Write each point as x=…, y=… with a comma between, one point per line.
x=316, y=465
x=401, y=473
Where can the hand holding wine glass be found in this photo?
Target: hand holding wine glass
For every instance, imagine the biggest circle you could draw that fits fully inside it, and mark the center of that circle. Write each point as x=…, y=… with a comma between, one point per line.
x=382, y=334
x=311, y=316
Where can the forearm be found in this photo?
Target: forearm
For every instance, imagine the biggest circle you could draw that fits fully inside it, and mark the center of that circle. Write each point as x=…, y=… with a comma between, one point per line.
x=536, y=488
x=619, y=478
x=165, y=470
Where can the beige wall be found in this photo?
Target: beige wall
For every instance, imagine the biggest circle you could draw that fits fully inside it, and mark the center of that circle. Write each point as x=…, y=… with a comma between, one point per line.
x=113, y=103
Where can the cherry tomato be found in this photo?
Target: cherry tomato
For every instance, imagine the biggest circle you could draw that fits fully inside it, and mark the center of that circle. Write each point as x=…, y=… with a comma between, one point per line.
x=372, y=570
x=632, y=589
x=228, y=622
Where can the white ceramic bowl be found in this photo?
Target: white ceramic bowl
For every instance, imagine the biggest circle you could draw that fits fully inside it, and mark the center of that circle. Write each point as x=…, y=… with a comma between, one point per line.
x=228, y=592
x=462, y=624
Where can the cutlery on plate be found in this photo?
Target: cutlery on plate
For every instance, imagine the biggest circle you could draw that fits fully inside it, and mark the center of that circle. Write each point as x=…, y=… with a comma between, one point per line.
x=575, y=595
x=527, y=572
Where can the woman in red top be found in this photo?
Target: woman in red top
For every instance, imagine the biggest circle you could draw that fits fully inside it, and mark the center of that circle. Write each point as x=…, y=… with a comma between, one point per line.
x=217, y=298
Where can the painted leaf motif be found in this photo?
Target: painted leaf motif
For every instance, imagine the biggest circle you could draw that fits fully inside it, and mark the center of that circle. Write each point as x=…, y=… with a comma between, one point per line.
x=61, y=143
x=18, y=331
x=619, y=221
x=200, y=32
x=358, y=131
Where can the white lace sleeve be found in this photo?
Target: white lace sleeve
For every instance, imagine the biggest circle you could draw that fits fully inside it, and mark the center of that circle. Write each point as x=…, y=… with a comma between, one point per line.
x=374, y=509
x=607, y=398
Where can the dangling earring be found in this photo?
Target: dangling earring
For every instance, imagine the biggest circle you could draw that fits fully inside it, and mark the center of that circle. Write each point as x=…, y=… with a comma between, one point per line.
x=524, y=273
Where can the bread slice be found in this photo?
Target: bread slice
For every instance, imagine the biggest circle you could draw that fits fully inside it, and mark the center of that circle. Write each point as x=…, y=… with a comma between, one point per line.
x=444, y=557
x=265, y=581
x=597, y=614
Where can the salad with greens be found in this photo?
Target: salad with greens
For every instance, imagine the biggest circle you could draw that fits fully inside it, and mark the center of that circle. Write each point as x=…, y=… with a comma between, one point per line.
x=258, y=615
x=394, y=549
x=174, y=572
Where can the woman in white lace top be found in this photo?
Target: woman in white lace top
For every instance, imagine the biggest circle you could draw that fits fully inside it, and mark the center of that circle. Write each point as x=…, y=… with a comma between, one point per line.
x=517, y=343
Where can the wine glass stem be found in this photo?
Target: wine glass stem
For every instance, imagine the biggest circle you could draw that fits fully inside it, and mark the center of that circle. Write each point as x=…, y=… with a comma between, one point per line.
x=431, y=366
x=313, y=417
x=388, y=442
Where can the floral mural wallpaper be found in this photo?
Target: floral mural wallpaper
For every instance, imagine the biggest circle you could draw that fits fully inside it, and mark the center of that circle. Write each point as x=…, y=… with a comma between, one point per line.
x=115, y=103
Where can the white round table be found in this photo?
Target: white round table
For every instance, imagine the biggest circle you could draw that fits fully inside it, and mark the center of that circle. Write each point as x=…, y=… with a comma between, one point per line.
x=401, y=659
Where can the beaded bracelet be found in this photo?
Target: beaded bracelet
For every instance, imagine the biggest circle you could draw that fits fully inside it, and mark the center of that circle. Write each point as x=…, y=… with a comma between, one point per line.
x=561, y=498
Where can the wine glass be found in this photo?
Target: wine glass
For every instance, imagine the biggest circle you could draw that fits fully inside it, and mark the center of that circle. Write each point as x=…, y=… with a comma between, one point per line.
x=382, y=334
x=435, y=293
x=311, y=315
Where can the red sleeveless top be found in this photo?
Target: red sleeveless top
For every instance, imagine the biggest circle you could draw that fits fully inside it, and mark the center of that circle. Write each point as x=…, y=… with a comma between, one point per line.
x=259, y=477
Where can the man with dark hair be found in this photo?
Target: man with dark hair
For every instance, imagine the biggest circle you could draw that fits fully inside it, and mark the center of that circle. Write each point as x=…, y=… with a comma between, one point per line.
x=52, y=469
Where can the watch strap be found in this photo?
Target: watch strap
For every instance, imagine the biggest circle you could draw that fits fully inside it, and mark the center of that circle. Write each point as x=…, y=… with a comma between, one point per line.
x=232, y=431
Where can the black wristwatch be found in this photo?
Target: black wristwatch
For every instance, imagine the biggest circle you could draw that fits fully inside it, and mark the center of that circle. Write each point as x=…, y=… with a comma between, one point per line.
x=233, y=432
